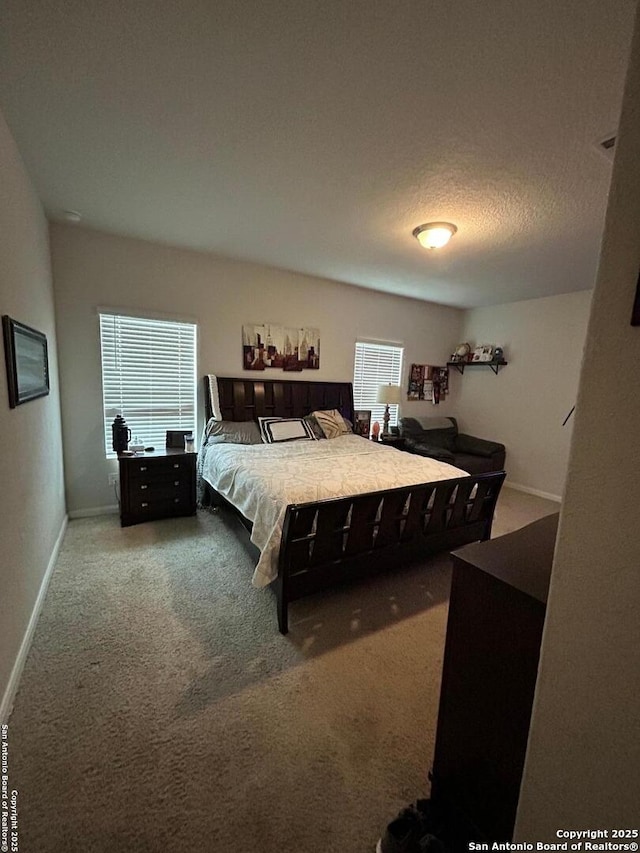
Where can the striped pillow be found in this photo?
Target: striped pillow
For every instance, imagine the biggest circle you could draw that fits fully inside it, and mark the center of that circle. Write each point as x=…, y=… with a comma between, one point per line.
x=315, y=427
x=331, y=423
x=274, y=430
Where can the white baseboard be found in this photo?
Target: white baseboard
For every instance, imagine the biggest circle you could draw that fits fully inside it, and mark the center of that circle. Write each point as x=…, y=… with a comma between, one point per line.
x=92, y=511
x=520, y=488
x=6, y=706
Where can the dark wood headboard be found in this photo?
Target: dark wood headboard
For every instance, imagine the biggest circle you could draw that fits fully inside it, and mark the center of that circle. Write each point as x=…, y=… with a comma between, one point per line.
x=249, y=399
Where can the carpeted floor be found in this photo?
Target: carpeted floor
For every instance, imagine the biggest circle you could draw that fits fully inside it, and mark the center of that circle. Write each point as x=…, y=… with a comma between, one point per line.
x=160, y=709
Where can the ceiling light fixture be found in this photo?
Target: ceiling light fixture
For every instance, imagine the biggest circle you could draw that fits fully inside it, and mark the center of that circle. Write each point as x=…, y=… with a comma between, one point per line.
x=434, y=235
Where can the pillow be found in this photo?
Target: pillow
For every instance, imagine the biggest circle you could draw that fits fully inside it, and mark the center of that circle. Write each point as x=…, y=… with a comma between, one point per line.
x=315, y=426
x=431, y=422
x=438, y=432
x=274, y=430
x=214, y=397
x=232, y=432
x=331, y=423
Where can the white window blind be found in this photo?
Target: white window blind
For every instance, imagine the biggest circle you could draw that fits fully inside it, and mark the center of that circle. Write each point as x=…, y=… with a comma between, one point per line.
x=148, y=376
x=375, y=365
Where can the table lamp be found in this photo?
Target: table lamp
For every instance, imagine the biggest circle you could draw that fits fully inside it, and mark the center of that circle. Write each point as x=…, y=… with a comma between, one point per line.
x=389, y=395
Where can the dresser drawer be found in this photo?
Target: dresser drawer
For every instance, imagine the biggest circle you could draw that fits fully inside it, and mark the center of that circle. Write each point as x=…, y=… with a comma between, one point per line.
x=158, y=488
x=151, y=470
x=153, y=506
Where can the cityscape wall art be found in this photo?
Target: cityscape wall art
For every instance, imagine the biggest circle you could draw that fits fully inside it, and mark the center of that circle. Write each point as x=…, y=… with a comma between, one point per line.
x=270, y=346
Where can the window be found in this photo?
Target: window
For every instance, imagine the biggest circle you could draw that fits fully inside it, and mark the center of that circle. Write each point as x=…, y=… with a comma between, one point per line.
x=148, y=376
x=376, y=364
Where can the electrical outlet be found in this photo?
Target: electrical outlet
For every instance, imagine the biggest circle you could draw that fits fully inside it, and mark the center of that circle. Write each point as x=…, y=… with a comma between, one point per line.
x=113, y=479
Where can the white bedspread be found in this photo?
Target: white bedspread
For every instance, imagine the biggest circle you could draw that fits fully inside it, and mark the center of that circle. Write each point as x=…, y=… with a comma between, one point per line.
x=262, y=479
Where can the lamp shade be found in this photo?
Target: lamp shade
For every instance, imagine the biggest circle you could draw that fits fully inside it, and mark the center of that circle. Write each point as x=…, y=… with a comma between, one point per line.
x=434, y=235
x=388, y=394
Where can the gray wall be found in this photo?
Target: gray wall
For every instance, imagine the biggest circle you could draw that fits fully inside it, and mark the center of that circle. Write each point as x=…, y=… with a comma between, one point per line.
x=94, y=269
x=32, y=509
x=583, y=762
x=525, y=405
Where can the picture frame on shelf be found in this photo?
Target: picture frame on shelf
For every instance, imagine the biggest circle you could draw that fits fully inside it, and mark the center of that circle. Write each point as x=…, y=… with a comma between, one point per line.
x=483, y=353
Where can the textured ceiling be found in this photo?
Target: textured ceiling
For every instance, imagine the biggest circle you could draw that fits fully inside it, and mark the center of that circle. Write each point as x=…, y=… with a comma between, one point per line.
x=315, y=136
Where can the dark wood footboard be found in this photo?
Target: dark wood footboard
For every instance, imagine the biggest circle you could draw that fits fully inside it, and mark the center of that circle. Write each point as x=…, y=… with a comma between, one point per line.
x=339, y=539
x=326, y=542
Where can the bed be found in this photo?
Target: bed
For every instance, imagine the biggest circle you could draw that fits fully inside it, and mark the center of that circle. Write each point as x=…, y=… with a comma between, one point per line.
x=322, y=512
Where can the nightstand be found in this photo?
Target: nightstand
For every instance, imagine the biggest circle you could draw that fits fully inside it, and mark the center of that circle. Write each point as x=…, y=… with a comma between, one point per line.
x=159, y=484
x=396, y=441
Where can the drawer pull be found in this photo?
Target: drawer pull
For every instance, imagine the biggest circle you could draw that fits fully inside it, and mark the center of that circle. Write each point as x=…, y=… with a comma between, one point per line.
x=144, y=487
x=143, y=467
x=176, y=464
x=176, y=500
x=144, y=504
x=176, y=482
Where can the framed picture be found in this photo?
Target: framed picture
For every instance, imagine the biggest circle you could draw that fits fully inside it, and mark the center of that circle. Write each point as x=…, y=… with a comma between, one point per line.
x=416, y=382
x=362, y=422
x=25, y=352
x=483, y=353
x=268, y=345
x=422, y=378
x=176, y=437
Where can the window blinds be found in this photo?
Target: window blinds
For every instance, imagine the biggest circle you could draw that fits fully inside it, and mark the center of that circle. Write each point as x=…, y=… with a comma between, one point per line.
x=375, y=365
x=148, y=376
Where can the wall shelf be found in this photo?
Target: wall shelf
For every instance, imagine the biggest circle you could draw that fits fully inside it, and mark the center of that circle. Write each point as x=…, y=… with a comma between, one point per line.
x=460, y=365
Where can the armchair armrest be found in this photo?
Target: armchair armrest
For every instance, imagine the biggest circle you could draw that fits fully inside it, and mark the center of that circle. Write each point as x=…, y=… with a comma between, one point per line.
x=477, y=446
x=415, y=445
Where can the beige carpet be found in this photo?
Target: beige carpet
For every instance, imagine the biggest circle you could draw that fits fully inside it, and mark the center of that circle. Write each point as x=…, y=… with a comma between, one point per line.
x=161, y=710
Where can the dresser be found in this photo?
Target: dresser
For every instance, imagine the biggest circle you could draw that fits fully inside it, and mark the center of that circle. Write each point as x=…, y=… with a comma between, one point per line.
x=159, y=484
x=494, y=630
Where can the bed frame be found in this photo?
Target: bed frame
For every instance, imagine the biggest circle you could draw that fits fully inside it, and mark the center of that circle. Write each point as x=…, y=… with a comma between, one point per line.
x=339, y=539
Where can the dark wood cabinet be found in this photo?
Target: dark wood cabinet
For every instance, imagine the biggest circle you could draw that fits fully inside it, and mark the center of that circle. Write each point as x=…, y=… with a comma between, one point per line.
x=494, y=630
x=160, y=484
